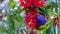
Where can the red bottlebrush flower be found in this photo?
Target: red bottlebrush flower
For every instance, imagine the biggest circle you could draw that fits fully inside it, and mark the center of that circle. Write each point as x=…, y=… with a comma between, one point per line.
x=25, y=3
x=34, y=25
x=29, y=3
x=31, y=21
x=57, y=21
x=39, y=3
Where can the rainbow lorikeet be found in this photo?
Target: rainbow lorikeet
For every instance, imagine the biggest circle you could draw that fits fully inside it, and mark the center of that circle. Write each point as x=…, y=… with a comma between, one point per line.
x=40, y=20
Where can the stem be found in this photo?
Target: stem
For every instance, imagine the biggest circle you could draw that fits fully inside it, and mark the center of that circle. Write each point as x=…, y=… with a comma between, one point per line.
x=56, y=9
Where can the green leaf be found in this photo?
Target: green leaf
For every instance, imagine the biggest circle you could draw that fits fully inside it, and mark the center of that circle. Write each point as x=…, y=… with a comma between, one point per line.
x=49, y=23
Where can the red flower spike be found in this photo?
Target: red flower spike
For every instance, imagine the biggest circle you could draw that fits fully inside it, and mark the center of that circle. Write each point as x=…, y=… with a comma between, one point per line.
x=57, y=21
x=39, y=3
x=25, y=3
x=29, y=3
x=31, y=19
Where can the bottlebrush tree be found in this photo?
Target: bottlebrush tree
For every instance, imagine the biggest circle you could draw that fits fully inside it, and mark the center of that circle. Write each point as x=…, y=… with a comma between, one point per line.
x=30, y=17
